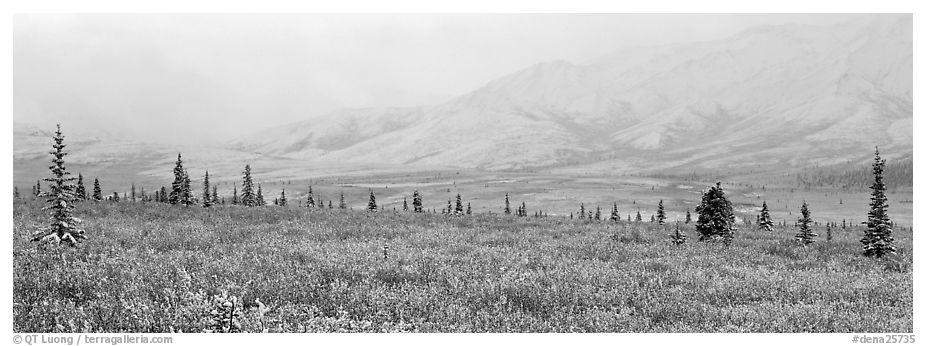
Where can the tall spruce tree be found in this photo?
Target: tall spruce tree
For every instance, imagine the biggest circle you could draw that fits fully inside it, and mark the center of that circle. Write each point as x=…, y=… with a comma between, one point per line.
x=878, y=240
x=765, y=220
x=715, y=216
x=81, y=191
x=60, y=200
x=248, y=198
x=371, y=206
x=133, y=192
x=310, y=199
x=207, y=200
x=97, y=191
x=805, y=235
x=282, y=199
x=416, y=202
x=660, y=214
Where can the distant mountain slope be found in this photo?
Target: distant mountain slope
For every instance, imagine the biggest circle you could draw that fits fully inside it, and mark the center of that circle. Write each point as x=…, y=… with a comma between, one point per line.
x=788, y=95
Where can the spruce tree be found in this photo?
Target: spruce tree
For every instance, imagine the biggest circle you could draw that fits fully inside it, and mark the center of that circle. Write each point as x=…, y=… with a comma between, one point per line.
x=459, y=207
x=598, y=213
x=115, y=197
x=248, y=198
x=97, y=191
x=806, y=234
x=372, y=205
x=330, y=206
x=310, y=200
x=639, y=217
x=283, y=198
x=405, y=204
x=60, y=201
x=765, y=220
x=678, y=237
x=829, y=232
x=581, y=210
x=207, y=200
x=660, y=214
x=687, y=215
x=878, y=240
x=523, y=209
x=615, y=216
x=449, y=206
x=38, y=189
x=133, y=192
x=469, y=209
x=234, y=195
x=507, y=205
x=215, y=195
x=81, y=192
x=715, y=216
x=342, y=204
x=15, y=192
x=259, y=198
x=416, y=202
x=652, y=218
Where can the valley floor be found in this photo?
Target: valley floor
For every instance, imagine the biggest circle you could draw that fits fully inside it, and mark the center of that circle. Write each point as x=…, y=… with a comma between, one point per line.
x=151, y=267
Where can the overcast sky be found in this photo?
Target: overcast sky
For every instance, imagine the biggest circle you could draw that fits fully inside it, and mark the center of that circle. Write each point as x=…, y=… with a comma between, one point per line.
x=195, y=78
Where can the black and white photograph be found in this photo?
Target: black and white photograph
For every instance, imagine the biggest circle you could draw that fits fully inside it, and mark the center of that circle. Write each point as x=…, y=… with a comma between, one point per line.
x=181, y=175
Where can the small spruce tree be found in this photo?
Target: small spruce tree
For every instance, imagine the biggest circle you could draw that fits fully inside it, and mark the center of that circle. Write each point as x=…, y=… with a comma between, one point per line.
x=459, y=206
x=259, y=198
x=282, y=199
x=660, y=214
x=765, y=220
x=615, y=216
x=416, y=202
x=805, y=235
x=507, y=204
x=342, y=204
x=81, y=190
x=678, y=237
x=687, y=215
x=248, y=198
x=97, y=191
x=405, y=204
x=469, y=209
x=207, y=200
x=371, y=206
x=310, y=200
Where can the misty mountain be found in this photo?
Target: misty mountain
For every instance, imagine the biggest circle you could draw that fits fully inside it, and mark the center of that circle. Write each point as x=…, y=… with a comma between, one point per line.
x=788, y=95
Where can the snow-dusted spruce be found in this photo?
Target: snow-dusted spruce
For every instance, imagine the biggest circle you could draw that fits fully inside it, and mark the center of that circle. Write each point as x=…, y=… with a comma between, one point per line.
x=248, y=198
x=372, y=205
x=615, y=216
x=765, y=220
x=458, y=209
x=805, y=235
x=282, y=199
x=661, y=214
x=715, y=216
x=60, y=201
x=877, y=240
x=310, y=199
x=581, y=210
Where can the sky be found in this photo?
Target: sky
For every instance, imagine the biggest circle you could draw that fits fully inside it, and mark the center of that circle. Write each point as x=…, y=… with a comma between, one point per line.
x=201, y=78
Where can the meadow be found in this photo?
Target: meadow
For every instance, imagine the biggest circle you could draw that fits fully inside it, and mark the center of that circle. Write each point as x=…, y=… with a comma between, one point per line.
x=150, y=267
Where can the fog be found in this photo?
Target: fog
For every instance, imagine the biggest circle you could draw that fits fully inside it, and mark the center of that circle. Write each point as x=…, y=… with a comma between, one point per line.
x=206, y=78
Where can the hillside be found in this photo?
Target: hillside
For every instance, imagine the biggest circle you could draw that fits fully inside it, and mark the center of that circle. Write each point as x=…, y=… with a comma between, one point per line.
x=788, y=95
